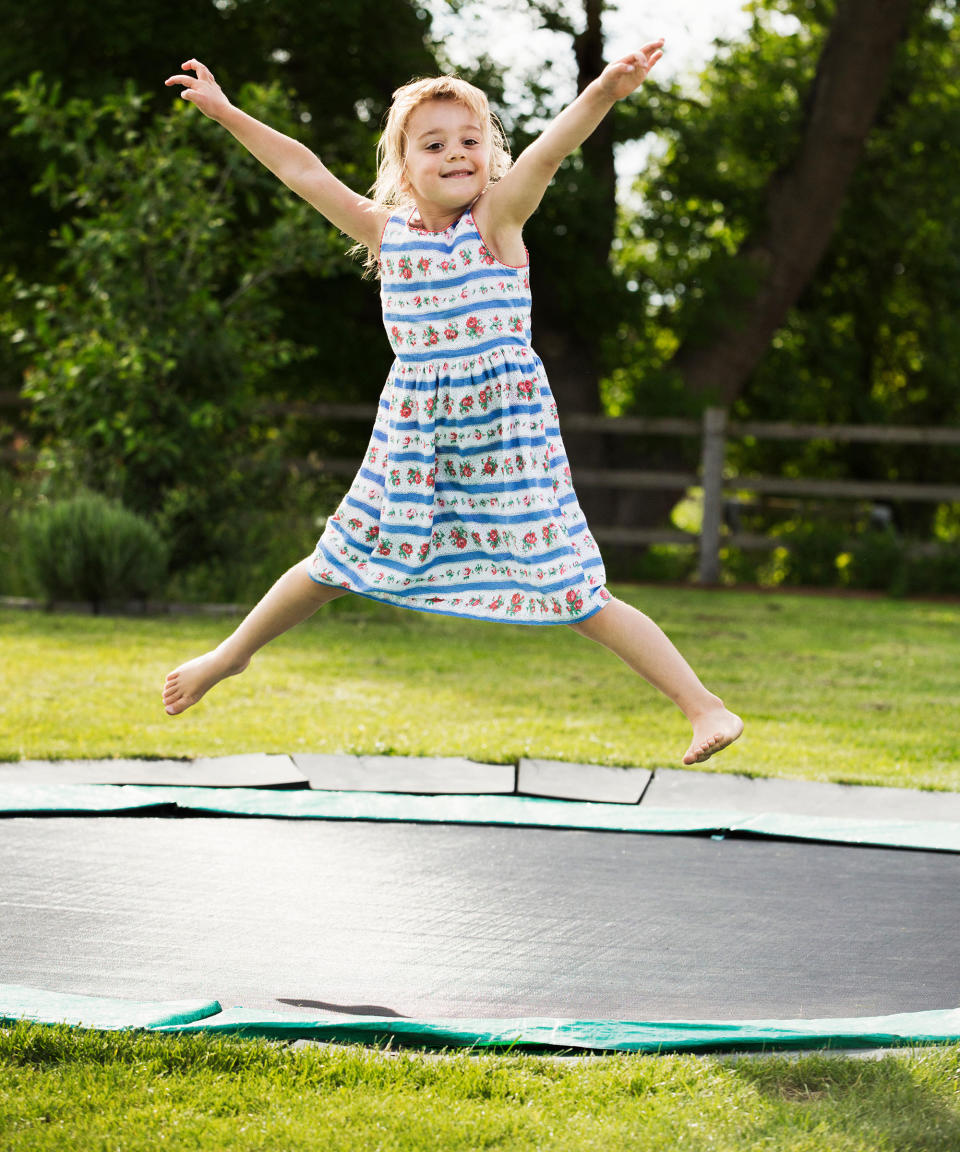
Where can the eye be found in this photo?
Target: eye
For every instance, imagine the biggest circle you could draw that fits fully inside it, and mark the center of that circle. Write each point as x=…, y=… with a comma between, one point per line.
x=435, y=146
x=471, y=143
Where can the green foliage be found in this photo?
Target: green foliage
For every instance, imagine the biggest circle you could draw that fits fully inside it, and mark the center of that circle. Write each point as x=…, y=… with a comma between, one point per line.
x=886, y=562
x=705, y=196
x=271, y=540
x=820, y=553
x=91, y=548
x=148, y=353
x=702, y=195
x=323, y=51
x=183, y=284
x=872, y=339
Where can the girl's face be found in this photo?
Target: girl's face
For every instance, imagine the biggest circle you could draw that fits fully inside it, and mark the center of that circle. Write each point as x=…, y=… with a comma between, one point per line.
x=448, y=156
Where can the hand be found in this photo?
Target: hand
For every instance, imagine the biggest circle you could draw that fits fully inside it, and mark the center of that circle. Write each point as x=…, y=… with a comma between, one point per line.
x=201, y=90
x=626, y=75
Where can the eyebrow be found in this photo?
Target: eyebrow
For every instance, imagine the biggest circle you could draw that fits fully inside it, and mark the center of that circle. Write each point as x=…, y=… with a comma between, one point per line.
x=439, y=131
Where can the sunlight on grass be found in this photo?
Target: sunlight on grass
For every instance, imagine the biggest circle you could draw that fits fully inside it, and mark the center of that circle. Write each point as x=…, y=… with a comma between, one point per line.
x=62, y=1089
x=832, y=689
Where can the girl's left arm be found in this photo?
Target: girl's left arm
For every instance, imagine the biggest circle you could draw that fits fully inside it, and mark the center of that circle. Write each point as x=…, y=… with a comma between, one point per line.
x=515, y=197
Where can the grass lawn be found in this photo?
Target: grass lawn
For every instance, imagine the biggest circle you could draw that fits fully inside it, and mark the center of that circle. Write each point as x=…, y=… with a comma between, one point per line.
x=831, y=688
x=64, y=1091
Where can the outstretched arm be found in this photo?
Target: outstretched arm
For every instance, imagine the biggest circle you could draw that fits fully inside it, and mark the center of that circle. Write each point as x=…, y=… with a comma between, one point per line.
x=291, y=161
x=516, y=196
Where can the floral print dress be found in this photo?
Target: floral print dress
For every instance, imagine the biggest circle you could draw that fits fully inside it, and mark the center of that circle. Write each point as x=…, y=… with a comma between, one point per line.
x=464, y=503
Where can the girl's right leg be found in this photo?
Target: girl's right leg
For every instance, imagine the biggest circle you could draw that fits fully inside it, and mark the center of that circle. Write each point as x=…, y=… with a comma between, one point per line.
x=293, y=599
x=643, y=646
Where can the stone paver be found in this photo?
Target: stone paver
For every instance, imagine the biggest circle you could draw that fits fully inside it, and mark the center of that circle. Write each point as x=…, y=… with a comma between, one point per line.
x=597, y=782
x=675, y=788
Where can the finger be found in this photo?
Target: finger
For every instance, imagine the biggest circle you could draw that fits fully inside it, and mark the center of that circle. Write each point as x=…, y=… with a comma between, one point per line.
x=202, y=71
x=186, y=80
x=653, y=46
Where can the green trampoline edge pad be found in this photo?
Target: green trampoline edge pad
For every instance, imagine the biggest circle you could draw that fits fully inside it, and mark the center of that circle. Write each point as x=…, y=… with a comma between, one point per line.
x=308, y=804
x=105, y=1013
x=597, y=1035
x=911, y=1028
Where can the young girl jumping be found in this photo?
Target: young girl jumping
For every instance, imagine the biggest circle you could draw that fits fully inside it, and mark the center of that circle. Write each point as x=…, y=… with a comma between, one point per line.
x=464, y=503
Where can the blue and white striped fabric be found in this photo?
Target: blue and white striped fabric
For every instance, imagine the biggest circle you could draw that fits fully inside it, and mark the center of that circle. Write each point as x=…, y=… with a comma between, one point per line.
x=464, y=504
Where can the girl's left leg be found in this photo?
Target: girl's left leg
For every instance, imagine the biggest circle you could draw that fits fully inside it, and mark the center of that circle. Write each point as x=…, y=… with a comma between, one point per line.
x=642, y=645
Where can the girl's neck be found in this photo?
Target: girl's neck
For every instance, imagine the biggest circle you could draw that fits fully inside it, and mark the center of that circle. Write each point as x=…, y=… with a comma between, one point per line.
x=433, y=218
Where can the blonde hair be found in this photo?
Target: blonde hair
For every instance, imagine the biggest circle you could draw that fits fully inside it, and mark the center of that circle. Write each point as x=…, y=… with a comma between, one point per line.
x=390, y=190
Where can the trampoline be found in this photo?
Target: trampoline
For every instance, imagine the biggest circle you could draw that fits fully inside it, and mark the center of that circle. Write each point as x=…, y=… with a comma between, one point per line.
x=458, y=919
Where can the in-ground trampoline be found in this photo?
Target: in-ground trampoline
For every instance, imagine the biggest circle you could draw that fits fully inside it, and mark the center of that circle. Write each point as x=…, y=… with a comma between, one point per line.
x=684, y=912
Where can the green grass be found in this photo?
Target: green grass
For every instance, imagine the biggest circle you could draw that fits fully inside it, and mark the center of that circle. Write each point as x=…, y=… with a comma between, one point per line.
x=831, y=688
x=63, y=1090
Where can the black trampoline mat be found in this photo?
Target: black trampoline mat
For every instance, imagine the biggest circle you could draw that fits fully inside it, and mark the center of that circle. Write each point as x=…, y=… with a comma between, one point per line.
x=467, y=921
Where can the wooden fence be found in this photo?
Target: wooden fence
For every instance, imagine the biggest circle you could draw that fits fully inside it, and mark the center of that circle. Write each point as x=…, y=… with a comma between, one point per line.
x=713, y=431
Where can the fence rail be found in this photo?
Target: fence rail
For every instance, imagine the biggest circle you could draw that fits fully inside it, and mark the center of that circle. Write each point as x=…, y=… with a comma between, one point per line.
x=713, y=430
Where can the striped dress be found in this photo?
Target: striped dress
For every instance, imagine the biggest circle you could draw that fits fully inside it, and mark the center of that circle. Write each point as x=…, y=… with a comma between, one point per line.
x=464, y=503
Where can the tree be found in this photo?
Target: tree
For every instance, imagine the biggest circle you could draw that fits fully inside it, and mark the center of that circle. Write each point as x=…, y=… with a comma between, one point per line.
x=147, y=353
x=865, y=336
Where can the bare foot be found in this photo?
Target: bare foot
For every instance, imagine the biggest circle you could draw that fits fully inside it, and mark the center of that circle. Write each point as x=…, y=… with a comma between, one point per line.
x=188, y=683
x=712, y=731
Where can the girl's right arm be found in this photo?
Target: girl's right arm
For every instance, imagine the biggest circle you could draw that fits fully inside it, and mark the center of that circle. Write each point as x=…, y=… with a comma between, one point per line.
x=291, y=161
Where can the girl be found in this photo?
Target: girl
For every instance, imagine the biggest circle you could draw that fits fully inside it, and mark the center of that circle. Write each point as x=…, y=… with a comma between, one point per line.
x=464, y=503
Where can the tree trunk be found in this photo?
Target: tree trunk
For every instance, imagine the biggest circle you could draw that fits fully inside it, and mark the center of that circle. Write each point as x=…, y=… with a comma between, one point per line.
x=805, y=197
x=572, y=363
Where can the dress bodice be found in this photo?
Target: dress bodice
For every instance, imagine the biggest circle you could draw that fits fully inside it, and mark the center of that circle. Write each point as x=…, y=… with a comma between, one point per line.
x=445, y=294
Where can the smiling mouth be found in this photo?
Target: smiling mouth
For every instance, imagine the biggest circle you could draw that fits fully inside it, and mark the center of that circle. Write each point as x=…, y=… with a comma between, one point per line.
x=460, y=174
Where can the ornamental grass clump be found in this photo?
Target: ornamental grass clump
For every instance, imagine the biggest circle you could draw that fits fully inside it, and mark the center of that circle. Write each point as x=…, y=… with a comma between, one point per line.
x=90, y=548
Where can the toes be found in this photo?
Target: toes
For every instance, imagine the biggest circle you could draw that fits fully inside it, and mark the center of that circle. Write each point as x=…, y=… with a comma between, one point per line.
x=698, y=753
x=173, y=696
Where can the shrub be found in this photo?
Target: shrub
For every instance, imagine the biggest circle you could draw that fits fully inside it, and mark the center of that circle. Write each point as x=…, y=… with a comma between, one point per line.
x=878, y=560
x=937, y=574
x=91, y=548
x=808, y=555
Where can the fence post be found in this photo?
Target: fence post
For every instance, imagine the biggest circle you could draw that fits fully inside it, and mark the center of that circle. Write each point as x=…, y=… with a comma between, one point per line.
x=711, y=467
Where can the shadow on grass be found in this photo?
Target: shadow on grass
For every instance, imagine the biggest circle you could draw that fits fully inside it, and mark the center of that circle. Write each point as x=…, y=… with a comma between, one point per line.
x=901, y=1102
